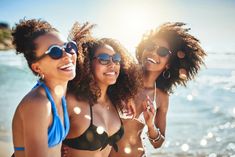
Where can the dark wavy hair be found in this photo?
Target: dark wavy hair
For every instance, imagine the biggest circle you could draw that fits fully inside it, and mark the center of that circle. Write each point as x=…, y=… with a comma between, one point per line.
x=24, y=34
x=84, y=86
x=187, y=53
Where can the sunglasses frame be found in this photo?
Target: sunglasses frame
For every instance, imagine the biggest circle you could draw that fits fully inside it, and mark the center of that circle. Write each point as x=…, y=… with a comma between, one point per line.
x=111, y=58
x=156, y=48
x=65, y=47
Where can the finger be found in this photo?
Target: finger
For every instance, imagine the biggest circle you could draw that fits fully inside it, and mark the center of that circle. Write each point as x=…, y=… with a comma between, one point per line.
x=144, y=104
x=152, y=109
x=133, y=110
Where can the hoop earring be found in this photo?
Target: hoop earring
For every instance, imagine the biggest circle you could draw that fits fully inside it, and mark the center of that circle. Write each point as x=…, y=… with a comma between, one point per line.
x=166, y=74
x=41, y=76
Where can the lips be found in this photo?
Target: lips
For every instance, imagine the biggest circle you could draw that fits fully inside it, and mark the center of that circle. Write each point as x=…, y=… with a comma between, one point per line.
x=67, y=67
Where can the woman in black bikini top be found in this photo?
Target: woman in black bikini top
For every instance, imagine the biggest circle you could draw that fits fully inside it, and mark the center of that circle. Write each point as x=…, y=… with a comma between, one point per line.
x=107, y=80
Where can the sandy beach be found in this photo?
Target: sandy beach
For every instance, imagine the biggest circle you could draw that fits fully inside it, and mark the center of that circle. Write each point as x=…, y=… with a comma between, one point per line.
x=6, y=149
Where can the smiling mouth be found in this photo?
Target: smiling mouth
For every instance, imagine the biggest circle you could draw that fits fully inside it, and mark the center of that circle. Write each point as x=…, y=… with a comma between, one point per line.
x=67, y=67
x=110, y=73
x=152, y=61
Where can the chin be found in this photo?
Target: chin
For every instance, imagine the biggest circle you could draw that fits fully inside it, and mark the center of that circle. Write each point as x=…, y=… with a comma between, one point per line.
x=112, y=82
x=70, y=76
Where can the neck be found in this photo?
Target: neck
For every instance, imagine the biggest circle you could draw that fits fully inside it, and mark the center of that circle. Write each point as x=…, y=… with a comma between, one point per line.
x=57, y=89
x=103, y=97
x=150, y=78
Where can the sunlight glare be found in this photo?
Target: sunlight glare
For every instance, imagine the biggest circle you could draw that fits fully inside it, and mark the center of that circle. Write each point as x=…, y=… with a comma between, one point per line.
x=100, y=130
x=127, y=150
x=76, y=110
x=185, y=147
x=203, y=142
x=59, y=90
x=87, y=117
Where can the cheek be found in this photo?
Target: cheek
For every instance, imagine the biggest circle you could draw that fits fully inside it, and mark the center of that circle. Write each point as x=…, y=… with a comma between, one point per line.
x=118, y=68
x=96, y=70
x=74, y=58
x=144, y=54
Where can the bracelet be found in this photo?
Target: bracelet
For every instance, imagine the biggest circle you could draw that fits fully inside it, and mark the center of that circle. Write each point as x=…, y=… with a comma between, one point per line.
x=155, y=140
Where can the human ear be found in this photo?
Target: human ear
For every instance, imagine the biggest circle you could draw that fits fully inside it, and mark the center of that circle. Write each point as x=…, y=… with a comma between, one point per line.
x=36, y=68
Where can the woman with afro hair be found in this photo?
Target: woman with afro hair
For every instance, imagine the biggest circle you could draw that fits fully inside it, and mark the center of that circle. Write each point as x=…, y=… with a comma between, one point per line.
x=107, y=81
x=169, y=56
x=41, y=121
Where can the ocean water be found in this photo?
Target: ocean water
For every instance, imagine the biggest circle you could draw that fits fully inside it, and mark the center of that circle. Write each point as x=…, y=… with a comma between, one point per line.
x=201, y=117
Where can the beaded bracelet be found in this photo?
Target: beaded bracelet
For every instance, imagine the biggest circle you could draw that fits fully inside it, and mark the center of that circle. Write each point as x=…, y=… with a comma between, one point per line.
x=155, y=140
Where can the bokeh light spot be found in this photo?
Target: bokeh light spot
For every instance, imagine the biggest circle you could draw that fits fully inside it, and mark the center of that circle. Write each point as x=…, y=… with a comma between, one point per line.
x=185, y=147
x=76, y=110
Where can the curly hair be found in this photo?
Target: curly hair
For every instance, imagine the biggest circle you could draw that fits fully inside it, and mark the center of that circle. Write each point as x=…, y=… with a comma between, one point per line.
x=187, y=55
x=24, y=34
x=126, y=86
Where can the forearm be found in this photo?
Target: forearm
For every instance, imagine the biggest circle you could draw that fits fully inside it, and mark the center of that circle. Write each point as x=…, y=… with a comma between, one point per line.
x=155, y=136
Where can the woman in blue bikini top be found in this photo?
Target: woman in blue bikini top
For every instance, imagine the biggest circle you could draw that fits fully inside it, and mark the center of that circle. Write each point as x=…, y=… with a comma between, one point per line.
x=41, y=120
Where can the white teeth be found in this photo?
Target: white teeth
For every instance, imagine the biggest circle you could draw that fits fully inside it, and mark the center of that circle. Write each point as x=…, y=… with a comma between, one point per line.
x=151, y=60
x=69, y=66
x=110, y=73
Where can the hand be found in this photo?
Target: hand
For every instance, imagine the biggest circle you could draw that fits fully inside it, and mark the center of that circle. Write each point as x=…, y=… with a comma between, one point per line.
x=149, y=112
x=64, y=150
x=129, y=109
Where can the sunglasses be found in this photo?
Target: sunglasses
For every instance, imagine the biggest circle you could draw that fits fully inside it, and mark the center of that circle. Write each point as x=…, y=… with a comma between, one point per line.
x=106, y=59
x=56, y=51
x=160, y=50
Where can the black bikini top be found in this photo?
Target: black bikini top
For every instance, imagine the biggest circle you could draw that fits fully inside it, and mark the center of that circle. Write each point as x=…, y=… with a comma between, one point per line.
x=94, y=138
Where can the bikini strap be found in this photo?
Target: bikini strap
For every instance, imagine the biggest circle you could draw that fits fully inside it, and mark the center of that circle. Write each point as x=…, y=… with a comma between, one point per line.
x=90, y=105
x=155, y=96
x=117, y=113
x=49, y=96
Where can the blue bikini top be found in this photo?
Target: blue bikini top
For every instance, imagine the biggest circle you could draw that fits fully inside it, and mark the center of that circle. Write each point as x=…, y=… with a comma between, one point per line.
x=56, y=132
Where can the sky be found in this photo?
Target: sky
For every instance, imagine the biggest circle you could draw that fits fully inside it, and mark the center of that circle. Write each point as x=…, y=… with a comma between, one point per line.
x=211, y=21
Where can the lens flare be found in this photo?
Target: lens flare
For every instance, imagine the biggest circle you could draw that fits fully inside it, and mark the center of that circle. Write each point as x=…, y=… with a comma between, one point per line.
x=141, y=149
x=190, y=97
x=76, y=110
x=203, y=142
x=127, y=150
x=100, y=130
x=210, y=135
x=185, y=147
x=87, y=117
x=218, y=139
x=59, y=90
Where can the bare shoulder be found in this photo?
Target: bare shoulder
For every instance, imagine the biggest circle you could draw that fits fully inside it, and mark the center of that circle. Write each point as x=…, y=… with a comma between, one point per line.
x=73, y=103
x=163, y=98
x=35, y=103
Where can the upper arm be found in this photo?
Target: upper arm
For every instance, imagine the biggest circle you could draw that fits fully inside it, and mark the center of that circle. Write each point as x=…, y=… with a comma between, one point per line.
x=36, y=116
x=71, y=103
x=160, y=118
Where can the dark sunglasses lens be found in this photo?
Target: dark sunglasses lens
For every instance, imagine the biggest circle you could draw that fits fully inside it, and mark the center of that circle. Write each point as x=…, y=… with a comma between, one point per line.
x=117, y=58
x=55, y=53
x=71, y=46
x=162, y=51
x=103, y=59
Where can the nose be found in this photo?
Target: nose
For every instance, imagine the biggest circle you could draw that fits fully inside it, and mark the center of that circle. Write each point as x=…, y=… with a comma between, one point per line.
x=67, y=55
x=111, y=63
